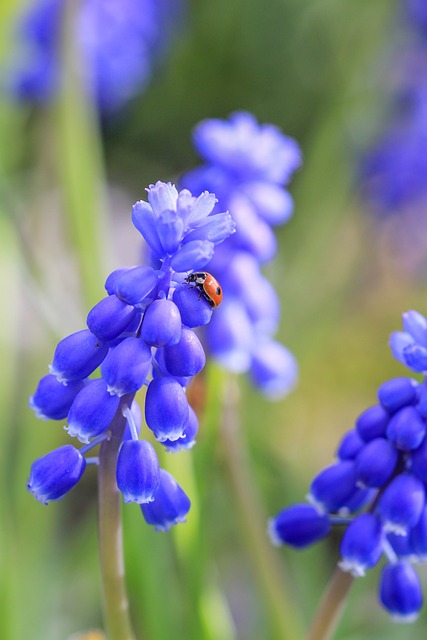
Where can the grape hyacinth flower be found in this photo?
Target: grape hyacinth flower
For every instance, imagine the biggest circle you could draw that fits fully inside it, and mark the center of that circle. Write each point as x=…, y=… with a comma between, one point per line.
x=376, y=489
x=247, y=166
x=136, y=336
x=394, y=169
x=118, y=42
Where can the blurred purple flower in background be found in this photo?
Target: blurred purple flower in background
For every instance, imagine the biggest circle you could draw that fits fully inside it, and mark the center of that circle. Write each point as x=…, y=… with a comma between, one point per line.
x=118, y=42
x=247, y=166
x=394, y=172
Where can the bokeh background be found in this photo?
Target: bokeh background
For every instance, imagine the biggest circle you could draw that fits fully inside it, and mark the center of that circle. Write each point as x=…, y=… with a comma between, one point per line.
x=322, y=72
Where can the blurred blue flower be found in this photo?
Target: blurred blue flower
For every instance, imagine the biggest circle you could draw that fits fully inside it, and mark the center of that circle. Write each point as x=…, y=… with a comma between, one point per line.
x=417, y=11
x=118, y=41
x=247, y=165
x=136, y=336
x=394, y=170
x=376, y=490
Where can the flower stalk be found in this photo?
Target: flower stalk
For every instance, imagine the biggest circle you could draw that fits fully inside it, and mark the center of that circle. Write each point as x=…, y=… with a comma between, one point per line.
x=331, y=606
x=116, y=605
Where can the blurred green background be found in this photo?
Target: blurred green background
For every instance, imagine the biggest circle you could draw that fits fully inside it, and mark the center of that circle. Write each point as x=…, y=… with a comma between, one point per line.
x=316, y=70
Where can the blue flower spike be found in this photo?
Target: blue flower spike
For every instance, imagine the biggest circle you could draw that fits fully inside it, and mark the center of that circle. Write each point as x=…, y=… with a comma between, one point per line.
x=247, y=165
x=136, y=337
x=376, y=490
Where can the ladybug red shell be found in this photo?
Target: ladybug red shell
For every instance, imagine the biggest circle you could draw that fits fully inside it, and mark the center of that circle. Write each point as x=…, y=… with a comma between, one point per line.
x=207, y=285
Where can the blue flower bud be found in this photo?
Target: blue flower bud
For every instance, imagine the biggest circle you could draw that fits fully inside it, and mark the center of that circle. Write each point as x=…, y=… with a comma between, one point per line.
x=400, y=591
x=231, y=336
x=215, y=228
x=126, y=367
x=170, y=506
x=376, y=462
x=189, y=434
x=361, y=544
x=298, y=526
x=262, y=305
x=159, y=370
x=194, y=210
x=417, y=462
x=333, y=486
x=145, y=221
x=193, y=256
x=170, y=228
x=162, y=196
x=92, y=411
x=416, y=325
x=161, y=324
x=399, y=341
x=252, y=234
x=77, y=356
x=274, y=370
x=138, y=471
x=406, y=429
x=350, y=445
x=272, y=203
x=109, y=318
x=56, y=473
x=401, y=504
x=52, y=399
x=166, y=409
x=195, y=310
x=415, y=357
x=111, y=281
x=134, y=285
x=186, y=358
x=397, y=393
x=372, y=423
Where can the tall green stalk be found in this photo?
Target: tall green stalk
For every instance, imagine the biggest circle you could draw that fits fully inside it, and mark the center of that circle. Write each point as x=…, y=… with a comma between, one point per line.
x=80, y=165
x=284, y=620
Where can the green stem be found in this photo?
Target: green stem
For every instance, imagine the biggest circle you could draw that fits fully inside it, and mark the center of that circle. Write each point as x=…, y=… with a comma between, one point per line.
x=116, y=606
x=282, y=611
x=331, y=606
x=80, y=164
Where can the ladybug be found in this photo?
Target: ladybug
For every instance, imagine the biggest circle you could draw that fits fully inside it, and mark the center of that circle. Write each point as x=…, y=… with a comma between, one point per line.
x=207, y=285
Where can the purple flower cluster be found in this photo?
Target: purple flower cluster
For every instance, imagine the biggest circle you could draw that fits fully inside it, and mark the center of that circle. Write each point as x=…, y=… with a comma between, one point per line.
x=140, y=334
x=117, y=40
x=381, y=470
x=394, y=170
x=247, y=166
